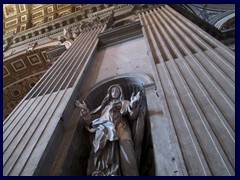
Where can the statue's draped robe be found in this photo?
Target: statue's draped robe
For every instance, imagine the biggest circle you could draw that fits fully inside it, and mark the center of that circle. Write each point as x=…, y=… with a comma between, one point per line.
x=116, y=151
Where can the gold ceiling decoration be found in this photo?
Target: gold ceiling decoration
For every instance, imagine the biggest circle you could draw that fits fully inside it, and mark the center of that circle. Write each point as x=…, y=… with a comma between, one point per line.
x=9, y=10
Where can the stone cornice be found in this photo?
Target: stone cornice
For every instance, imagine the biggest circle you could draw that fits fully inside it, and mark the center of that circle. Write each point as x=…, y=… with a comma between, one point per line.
x=100, y=13
x=120, y=34
x=56, y=26
x=60, y=19
x=86, y=24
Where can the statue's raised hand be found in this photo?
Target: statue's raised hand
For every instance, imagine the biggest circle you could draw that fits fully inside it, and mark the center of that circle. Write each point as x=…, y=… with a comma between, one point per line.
x=135, y=100
x=83, y=108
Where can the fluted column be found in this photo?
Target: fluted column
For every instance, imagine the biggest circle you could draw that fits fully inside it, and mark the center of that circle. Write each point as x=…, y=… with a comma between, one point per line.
x=28, y=130
x=195, y=77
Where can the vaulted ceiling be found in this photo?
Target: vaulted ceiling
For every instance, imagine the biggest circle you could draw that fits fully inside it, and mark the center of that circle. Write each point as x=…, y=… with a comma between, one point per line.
x=222, y=16
x=18, y=17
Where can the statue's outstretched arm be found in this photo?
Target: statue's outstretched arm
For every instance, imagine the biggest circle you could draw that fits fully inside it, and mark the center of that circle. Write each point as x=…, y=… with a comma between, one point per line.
x=133, y=108
x=84, y=111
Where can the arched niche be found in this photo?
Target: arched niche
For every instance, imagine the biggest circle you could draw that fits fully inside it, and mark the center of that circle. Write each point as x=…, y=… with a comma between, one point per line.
x=130, y=82
x=80, y=147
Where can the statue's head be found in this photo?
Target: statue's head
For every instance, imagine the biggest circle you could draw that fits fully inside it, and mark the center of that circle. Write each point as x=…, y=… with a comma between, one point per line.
x=115, y=92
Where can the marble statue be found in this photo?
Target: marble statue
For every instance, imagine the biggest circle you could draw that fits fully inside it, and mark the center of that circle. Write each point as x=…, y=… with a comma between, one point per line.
x=32, y=46
x=117, y=125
